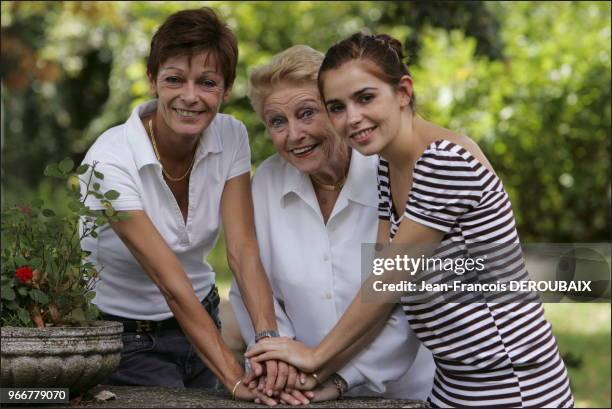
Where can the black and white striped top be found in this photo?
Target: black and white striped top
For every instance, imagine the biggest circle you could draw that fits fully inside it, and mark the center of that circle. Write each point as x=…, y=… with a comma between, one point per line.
x=497, y=351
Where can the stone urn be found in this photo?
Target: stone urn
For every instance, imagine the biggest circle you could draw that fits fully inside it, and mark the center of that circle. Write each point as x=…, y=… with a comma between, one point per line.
x=77, y=358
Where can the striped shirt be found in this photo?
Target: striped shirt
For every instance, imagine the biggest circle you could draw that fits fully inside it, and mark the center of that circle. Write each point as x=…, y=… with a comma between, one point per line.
x=493, y=350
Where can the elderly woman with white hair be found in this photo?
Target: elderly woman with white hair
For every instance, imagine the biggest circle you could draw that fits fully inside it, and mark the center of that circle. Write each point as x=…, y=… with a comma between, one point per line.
x=315, y=204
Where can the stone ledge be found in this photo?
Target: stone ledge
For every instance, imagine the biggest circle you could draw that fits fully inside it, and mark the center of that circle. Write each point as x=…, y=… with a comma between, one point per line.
x=158, y=397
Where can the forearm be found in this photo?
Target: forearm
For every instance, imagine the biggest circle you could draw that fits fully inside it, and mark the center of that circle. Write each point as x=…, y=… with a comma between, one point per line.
x=357, y=326
x=162, y=266
x=253, y=284
x=284, y=326
x=200, y=329
x=343, y=358
x=417, y=242
x=206, y=339
x=243, y=252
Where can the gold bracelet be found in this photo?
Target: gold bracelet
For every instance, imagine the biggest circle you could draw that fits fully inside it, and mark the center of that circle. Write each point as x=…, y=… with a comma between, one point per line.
x=235, y=387
x=316, y=378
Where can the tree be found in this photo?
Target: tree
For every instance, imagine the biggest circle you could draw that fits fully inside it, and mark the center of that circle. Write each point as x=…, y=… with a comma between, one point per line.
x=529, y=81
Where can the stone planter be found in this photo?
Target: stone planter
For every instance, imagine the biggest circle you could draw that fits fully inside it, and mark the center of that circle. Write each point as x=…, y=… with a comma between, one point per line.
x=60, y=357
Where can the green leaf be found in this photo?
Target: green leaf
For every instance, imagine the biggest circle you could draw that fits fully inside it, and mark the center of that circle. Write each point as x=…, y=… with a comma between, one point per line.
x=23, y=316
x=19, y=260
x=99, y=175
x=93, y=234
x=74, y=206
x=66, y=166
x=22, y=291
x=96, y=186
x=78, y=315
x=39, y=296
x=82, y=169
x=92, y=313
x=12, y=305
x=110, y=212
x=48, y=213
x=53, y=170
x=8, y=293
x=111, y=194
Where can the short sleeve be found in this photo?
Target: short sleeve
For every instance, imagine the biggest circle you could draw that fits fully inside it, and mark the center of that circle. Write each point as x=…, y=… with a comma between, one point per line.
x=447, y=183
x=384, y=199
x=241, y=162
x=115, y=177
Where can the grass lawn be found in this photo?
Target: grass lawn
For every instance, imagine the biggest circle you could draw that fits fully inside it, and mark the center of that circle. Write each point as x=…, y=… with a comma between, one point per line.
x=583, y=335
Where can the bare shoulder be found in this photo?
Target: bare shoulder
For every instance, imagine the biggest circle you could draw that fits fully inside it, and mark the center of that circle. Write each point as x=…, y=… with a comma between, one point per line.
x=470, y=145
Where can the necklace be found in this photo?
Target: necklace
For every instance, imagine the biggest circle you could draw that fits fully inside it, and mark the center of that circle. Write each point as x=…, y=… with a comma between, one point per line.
x=173, y=179
x=331, y=188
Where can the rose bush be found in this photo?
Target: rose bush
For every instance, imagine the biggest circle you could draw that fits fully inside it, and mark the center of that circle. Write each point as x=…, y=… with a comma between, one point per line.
x=45, y=279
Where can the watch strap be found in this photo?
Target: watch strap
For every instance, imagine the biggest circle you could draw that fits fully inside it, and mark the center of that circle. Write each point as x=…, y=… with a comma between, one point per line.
x=265, y=334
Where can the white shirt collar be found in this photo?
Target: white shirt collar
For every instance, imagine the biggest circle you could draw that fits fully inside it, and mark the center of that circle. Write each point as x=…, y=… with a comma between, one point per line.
x=360, y=185
x=210, y=141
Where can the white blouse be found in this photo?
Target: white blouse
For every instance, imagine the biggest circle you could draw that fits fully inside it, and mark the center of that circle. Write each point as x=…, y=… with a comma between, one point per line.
x=126, y=158
x=315, y=272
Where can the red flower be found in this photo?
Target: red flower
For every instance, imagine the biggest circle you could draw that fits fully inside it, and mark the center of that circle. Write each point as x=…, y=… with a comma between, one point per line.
x=26, y=210
x=24, y=274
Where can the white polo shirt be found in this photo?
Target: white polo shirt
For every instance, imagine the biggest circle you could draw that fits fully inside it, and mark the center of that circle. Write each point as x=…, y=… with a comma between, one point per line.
x=315, y=272
x=128, y=162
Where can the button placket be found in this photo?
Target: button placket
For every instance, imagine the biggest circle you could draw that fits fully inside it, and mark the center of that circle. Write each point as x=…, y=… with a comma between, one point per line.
x=178, y=216
x=327, y=259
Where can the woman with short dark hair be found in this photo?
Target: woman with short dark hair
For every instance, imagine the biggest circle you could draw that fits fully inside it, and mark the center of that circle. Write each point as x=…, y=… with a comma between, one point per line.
x=182, y=170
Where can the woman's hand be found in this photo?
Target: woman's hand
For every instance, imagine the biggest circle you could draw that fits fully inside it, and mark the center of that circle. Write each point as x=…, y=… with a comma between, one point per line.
x=286, y=377
x=243, y=392
x=306, y=382
x=284, y=349
x=292, y=397
x=287, y=396
x=327, y=391
x=295, y=397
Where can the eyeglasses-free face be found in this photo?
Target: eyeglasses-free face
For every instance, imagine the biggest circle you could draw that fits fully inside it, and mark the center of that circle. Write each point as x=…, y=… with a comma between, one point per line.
x=190, y=90
x=363, y=108
x=299, y=127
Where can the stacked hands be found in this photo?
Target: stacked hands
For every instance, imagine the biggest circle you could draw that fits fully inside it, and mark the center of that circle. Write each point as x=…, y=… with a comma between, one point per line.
x=282, y=370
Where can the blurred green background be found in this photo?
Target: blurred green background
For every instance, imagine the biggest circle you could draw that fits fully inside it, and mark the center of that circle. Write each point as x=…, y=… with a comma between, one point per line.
x=529, y=81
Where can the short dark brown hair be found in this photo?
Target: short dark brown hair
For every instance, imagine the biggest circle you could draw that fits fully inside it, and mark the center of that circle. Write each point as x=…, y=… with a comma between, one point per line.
x=382, y=51
x=190, y=32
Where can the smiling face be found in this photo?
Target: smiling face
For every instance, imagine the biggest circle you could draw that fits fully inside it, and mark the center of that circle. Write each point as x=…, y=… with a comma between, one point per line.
x=190, y=90
x=363, y=108
x=299, y=127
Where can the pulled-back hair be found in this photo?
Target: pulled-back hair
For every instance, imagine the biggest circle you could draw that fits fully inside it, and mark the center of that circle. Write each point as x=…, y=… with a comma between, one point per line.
x=296, y=65
x=189, y=32
x=383, y=51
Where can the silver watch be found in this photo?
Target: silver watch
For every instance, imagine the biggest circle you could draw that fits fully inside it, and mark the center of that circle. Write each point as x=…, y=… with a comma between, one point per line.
x=266, y=333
